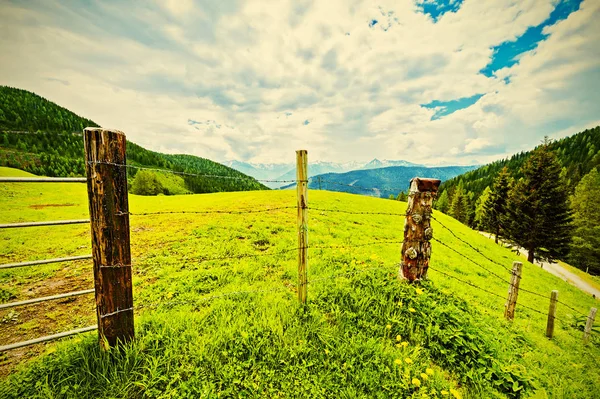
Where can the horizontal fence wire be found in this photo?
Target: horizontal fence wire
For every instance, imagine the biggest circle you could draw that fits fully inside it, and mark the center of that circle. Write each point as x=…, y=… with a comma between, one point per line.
x=44, y=299
x=44, y=261
x=240, y=212
x=391, y=189
x=47, y=338
x=45, y=223
x=208, y=176
x=43, y=180
x=356, y=213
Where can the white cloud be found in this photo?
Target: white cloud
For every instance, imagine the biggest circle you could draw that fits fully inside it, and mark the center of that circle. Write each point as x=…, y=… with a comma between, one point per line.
x=148, y=69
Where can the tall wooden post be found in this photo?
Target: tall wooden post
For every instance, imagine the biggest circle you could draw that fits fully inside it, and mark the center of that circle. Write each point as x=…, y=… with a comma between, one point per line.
x=109, y=214
x=513, y=291
x=416, y=248
x=302, y=194
x=588, y=325
x=551, y=314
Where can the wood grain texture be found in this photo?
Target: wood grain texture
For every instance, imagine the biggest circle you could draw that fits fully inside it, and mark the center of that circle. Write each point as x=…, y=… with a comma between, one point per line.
x=588, y=325
x=302, y=194
x=551, y=314
x=513, y=291
x=108, y=203
x=416, y=248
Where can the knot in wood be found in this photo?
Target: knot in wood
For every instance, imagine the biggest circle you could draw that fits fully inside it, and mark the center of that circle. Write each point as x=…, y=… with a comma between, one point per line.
x=417, y=218
x=411, y=253
x=428, y=233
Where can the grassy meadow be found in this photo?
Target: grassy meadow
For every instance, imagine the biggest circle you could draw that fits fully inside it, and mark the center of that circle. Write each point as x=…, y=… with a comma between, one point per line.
x=233, y=327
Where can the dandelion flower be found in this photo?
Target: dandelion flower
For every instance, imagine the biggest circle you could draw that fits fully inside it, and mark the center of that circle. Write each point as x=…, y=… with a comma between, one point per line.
x=408, y=360
x=398, y=362
x=444, y=392
x=416, y=382
x=455, y=393
x=398, y=345
x=429, y=371
x=424, y=376
x=411, y=310
x=389, y=326
x=419, y=291
x=398, y=338
x=404, y=344
x=326, y=351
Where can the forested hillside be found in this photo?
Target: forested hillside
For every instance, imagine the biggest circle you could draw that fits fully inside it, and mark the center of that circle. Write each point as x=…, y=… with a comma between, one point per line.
x=578, y=155
x=381, y=182
x=40, y=137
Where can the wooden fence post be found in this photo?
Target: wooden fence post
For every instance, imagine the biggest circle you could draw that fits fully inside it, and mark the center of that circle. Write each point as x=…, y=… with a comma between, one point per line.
x=302, y=194
x=551, y=314
x=588, y=325
x=109, y=214
x=513, y=291
x=416, y=248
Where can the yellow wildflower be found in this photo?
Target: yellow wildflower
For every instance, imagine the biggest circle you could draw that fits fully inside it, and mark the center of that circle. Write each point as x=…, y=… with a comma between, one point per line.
x=416, y=382
x=398, y=338
x=411, y=310
x=408, y=360
x=398, y=345
x=404, y=344
x=419, y=291
x=444, y=392
x=455, y=393
x=398, y=362
x=326, y=351
x=424, y=376
x=389, y=326
x=429, y=371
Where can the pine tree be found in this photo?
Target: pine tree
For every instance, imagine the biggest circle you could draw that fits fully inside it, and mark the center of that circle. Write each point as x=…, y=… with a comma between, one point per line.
x=458, y=209
x=443, y=202
x=402, y=196
x=480, y=205
x=539, y=216
x=495, y=211
x=585, y=248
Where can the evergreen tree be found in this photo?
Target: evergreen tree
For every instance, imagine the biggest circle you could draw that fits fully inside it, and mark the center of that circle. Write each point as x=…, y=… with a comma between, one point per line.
x=495, y=210
x=443, y=202
x=585, y=248
x=538, y=210
x=458, y=208
x=480, y=205
x=402, y=196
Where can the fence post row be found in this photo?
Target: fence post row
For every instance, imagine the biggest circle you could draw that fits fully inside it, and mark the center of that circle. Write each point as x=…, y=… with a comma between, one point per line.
x=109, y=214
x=551, y=314
x=302, y=194
x=588, y=325
x=416, y=248
x=513, y=291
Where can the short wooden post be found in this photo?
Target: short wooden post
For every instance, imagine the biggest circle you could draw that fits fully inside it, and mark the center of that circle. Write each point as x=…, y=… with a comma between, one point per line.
x=416, y=248
x=588, y=325
x=302, y=194
x=109, y=215
x=551, y=314
x=513, y=291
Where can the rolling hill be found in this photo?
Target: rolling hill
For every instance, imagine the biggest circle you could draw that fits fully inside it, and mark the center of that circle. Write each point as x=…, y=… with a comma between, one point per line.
x=36, y=135
x=233, y=327
x=381, y=182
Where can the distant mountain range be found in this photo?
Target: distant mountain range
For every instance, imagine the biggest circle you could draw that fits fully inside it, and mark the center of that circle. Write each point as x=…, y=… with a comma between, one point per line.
x=287, y=171
x=381, y=182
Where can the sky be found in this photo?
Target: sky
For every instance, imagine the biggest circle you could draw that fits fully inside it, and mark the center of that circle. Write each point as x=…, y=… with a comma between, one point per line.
x=433, y=82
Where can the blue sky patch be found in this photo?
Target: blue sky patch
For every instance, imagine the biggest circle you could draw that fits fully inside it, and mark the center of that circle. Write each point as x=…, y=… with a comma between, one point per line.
x=505, y=54
x=445, y=108
x=436, y=8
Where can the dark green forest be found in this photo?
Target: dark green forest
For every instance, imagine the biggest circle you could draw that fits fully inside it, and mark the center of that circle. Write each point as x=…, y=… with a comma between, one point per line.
x=40, y=137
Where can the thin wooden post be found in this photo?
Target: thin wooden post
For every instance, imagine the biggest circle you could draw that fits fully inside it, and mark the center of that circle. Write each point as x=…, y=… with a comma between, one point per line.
x=588, y=325
x=513, y=291
x=109, y=214
x=416, y=248
x=302, y=194
x=551, y=314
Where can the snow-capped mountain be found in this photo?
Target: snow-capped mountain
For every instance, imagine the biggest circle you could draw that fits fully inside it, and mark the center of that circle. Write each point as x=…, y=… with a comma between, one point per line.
x=376, y=163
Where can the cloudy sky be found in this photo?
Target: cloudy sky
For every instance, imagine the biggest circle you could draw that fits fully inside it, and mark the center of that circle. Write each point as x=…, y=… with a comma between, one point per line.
x=435, y=82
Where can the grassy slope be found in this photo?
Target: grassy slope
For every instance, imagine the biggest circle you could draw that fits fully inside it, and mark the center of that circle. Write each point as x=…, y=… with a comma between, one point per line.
x=260, y=344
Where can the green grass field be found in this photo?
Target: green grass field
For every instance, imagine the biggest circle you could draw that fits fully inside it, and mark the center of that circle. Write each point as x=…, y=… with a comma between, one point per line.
x=233, y=328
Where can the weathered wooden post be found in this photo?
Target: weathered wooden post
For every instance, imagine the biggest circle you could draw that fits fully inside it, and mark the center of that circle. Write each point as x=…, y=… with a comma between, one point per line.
x=109, y=214
x=416, y=248
x=551, y=314
x=302, y=194
x=513, y=291
x=588, y=325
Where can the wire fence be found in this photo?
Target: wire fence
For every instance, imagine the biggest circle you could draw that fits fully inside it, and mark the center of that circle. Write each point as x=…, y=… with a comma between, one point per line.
x=288, y=287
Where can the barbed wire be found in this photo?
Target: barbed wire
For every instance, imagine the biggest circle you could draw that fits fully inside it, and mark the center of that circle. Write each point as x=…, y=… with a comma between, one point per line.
x=392, y=189
x=238, y=212
x=356, y=213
